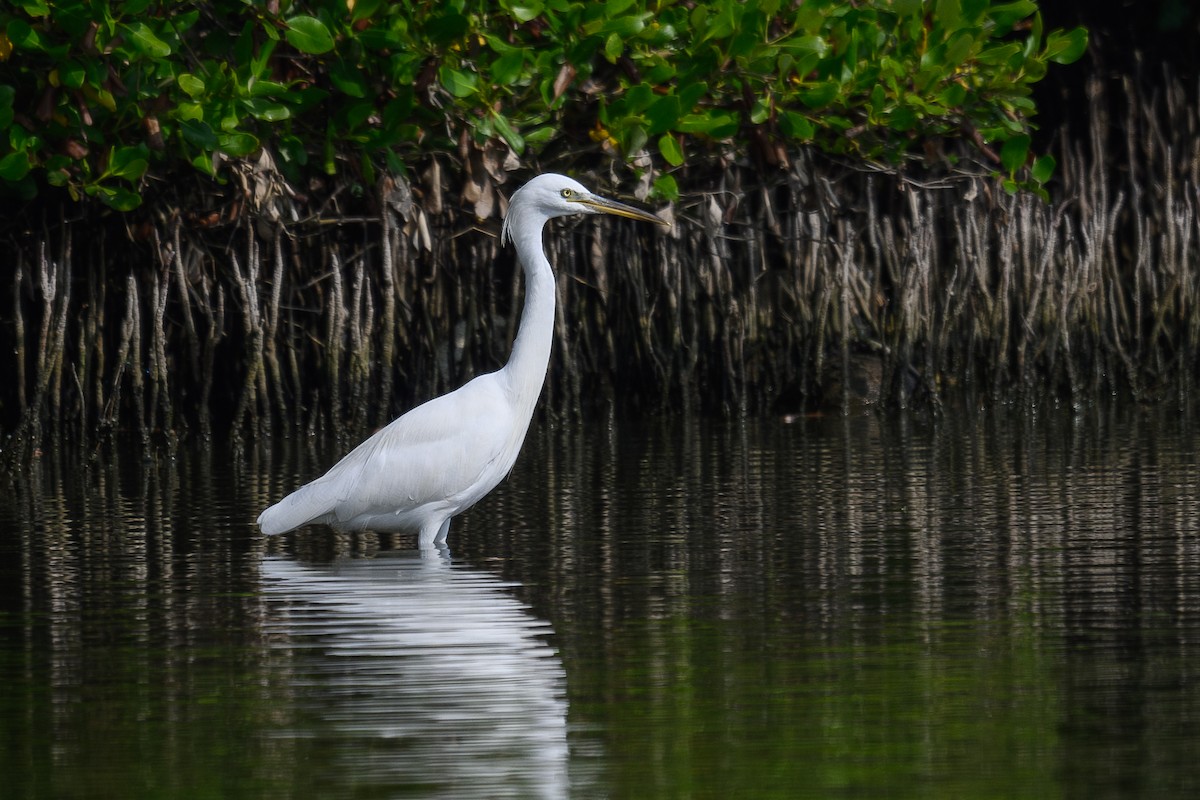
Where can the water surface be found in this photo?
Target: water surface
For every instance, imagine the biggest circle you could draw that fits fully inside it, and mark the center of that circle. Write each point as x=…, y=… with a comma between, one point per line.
x=981, y=605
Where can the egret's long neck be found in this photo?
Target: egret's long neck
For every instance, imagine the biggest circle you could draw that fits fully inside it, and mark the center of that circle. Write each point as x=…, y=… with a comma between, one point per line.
x=526, y=367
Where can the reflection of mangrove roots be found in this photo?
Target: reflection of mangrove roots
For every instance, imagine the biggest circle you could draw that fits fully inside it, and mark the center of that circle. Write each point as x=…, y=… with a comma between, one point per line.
x=816, y=286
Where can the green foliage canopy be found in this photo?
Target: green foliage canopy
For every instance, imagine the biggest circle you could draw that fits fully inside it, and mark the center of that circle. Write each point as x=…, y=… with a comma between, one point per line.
x=97, y=96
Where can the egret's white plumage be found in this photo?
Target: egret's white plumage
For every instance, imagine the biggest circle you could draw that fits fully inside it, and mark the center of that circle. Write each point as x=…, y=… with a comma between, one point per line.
x=442, y=457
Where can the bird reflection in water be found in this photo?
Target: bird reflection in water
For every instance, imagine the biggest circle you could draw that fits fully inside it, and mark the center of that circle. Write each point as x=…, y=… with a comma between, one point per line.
x=423, y=674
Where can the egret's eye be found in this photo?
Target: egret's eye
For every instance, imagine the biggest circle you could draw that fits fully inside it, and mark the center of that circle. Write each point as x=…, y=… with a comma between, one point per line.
x=567, y=194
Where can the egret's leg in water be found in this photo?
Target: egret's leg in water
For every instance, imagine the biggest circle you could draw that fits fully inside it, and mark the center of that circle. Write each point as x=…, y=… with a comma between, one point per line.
x=443, y=532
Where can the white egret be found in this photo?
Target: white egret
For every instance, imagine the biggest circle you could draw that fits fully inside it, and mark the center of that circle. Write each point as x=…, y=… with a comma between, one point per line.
x=443, y=456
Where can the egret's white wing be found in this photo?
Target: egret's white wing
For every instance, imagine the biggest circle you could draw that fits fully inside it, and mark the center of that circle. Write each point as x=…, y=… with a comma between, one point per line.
x=433, y=453
x=439, y=452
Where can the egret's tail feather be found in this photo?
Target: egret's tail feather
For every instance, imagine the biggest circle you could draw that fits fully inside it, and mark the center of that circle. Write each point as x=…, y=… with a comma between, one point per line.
x=306, y=504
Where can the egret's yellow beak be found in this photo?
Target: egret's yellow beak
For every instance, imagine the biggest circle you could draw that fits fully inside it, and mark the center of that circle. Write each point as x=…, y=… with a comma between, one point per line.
x=603, y=205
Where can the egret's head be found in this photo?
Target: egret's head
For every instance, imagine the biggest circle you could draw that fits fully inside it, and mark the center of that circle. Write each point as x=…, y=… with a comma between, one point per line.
x=548, y=196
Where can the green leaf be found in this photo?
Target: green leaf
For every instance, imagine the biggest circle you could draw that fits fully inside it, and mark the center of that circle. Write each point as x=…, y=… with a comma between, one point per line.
x=237, y=144
x=1043, y=168
x=1066, y=48
x=972, y=10
x=199, y=133
x=14, y=166
x=307, y=99
x=639, y=98
x=633, y=140
x=663, y=114
x=953, y=96
x=878, y=97
x=796, y=126
x=348, y=80
x=266, y=88
x=292, y=151
x=614, y=45
x=191, y=85
x=118, y=198
x=365, y=9
x=959, y=48
x=266, y=110
x=666, y=187
x=903, y=118
x=508, y=133
x=127, y=162
x=997, y=55
x=948, y=14
x=457, y=82
x=539, y=136
x=189, y=111
x=760, y=112
x=716, y=124
x=820, y=95
x=23, y=36
x=1006, y=15
x=805, y=45
x=507, y=68
x=34, y=8
x=625, y=26
x=309, y=35
x=354, y=115
x=672, y=153
x=526, y=11
x=1014, y=152
x=203, y=164
x=72, y=74
x=260, y=63
x=144, y=41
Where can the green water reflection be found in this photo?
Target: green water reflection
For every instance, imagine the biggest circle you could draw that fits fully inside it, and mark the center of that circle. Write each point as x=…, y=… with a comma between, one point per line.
x=977, y=606
x=954, y=715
